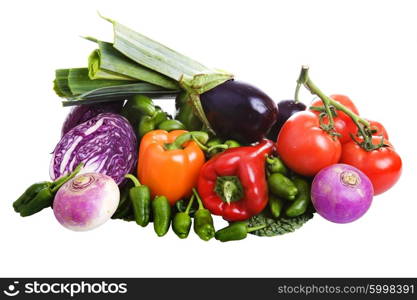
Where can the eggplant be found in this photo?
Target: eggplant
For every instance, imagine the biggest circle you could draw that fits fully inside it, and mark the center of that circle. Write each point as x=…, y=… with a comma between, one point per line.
x=239, y=111
x=286, y=109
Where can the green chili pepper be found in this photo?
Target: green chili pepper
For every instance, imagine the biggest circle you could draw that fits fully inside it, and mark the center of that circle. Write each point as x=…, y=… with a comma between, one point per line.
x=170, y=125
x=236, y=231
x=275, y=205
x=140, y=196
x=203, y=221
x=161, y=215
x=216, y=145
x=30, y=193
x=231, y=144
x=144, y=105
x=214, y=142
x=41, y=195
x=282, y=186
x=159, y=117
x=275, y=165
x=182, y=221
x=41, y=200
x=146, y=124
x=300, y=204
x=185, y=113
x=125, y=205
x=136, y=107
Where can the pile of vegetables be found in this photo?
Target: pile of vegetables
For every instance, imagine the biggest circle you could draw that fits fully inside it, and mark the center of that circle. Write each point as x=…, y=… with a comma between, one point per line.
x=229, y=151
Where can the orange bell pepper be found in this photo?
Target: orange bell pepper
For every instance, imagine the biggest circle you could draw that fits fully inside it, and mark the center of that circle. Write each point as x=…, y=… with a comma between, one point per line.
x=169, y=172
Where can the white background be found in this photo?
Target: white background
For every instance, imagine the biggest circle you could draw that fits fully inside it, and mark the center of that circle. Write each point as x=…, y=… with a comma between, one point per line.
x=365, y=49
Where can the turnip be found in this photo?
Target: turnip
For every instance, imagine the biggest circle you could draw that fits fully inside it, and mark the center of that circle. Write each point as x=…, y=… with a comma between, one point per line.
x=86, y=202
x=341, y=193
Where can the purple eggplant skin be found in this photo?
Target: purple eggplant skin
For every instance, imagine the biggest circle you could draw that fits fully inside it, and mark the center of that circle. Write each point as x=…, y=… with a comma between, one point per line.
x=286, y=109
x=81, y=113
x=239, y=111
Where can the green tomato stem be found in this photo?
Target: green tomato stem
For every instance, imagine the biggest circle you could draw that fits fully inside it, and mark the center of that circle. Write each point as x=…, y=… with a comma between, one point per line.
x=328, y=102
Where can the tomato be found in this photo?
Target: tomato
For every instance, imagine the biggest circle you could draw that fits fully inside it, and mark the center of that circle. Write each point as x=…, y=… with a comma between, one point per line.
x=380, y=129
x=304, y=146
x=383, y=166
x=343, y=123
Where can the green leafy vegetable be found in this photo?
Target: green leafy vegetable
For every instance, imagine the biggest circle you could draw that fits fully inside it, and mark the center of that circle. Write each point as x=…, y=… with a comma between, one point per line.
x=278, y=226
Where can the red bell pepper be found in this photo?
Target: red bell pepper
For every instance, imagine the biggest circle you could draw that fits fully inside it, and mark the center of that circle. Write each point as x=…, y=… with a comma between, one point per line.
x=232, y=184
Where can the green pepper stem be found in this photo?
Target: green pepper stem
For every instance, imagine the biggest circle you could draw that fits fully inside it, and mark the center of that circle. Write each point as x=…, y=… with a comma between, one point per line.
x=200, y=203
x=251, y=229
x=220, y=146
x=134, y=179
x=202, y=147
x=61, y=181
x=200, y=137
x=190, y=203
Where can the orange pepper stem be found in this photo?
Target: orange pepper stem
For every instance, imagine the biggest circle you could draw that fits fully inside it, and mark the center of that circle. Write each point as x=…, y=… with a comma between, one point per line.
x=134, y=179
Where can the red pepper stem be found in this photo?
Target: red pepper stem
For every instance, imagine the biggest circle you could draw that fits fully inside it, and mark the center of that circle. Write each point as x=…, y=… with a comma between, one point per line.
x=134, y=179
x=190, y=203
x=251, y=229
x=200, y=203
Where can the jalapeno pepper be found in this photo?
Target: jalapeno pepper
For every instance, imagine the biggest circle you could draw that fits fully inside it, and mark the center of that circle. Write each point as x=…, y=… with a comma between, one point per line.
x=41, y=195
x=203, y=221
x=140, y=196
x=236, y=231
x=181, y=224
x=232, y=184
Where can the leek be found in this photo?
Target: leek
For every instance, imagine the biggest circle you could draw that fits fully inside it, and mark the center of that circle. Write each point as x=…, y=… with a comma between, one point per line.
x=108, y=63
x=120, y=92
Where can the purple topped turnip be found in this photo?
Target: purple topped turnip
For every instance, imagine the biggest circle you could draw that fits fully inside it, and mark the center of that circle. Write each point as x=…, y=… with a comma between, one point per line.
x=341, y=193
x=86, y=202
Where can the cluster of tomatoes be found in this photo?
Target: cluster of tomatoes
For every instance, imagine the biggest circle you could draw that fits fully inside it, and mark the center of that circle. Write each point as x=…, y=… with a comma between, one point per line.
x=306, y=148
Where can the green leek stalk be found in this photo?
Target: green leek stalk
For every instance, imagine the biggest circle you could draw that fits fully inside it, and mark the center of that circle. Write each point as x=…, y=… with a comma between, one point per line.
x=72, y=82
x=108, y=63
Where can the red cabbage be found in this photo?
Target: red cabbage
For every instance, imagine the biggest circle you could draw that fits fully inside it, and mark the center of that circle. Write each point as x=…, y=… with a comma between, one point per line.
x=81, y=113
x=106, y=144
